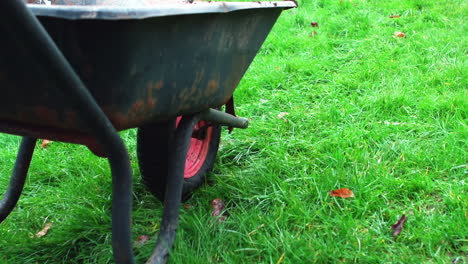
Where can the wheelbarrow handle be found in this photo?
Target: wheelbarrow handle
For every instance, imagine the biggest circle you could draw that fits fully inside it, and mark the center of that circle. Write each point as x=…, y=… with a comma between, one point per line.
x=29, y=31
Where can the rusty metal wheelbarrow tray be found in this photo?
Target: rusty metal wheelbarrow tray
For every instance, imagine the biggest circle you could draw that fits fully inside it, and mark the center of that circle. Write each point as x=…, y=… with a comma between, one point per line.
x=80, y=73
x=141, y=64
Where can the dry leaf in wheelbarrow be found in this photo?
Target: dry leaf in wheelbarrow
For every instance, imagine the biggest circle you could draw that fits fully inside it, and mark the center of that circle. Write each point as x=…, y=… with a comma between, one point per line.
x=343, y=193
x=218, y=206
x=44, y=230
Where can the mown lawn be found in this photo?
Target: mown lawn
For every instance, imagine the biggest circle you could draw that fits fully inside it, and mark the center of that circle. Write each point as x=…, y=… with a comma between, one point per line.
x=361, y=108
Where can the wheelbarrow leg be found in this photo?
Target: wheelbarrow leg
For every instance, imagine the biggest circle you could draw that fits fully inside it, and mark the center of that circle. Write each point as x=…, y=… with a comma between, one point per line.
x=173, y=194
x=20, y=171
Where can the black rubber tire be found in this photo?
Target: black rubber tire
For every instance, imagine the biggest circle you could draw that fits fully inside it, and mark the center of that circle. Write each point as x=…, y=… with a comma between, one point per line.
x=154, y=142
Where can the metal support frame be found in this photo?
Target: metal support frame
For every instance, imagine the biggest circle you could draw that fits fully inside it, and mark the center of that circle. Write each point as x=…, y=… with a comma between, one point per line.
x=175, y=179
x=29, y=30
x=173, y=194
x=20, y=171
x=224, y=119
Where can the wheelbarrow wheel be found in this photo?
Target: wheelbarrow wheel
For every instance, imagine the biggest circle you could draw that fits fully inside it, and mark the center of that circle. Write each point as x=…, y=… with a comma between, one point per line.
x=154, y=142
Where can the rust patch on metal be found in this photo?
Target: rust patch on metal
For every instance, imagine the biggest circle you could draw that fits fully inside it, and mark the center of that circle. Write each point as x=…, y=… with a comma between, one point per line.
x=212, y=87
x=151, y=102
x=47, y=114
x=155, y=86
x=62, y=135
x=71, y=119
x=138, y=106
x=150, y=97
x=141, y=111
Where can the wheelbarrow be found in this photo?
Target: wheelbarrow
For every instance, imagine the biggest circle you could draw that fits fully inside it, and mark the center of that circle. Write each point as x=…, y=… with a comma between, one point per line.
x=79, y=71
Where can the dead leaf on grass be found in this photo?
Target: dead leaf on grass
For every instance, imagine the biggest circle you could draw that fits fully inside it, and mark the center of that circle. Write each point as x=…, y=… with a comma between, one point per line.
x=314, y=24
x=218, y=206
x=44, y=230
x=343, y=193
x=141, y=240
x=398, y=226
x=282, y=115
x=394, y=16
x=399, y=34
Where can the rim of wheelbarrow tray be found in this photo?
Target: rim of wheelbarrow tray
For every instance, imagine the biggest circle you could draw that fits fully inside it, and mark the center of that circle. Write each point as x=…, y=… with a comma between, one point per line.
x=120, y=12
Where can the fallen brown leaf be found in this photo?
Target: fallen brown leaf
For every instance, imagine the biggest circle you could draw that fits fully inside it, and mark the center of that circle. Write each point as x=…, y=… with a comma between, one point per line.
x=314, y=24
x=282, y=114
x=218, y=206
x=44, y=230
x=394, y=16
x=45, y=143
x=398, y=226
x=399, y=34
x=187, y=206
x=141, y=240
x=343, y=193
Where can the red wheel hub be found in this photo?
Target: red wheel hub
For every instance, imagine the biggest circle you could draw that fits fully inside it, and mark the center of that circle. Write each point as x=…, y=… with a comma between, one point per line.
x=198, y=150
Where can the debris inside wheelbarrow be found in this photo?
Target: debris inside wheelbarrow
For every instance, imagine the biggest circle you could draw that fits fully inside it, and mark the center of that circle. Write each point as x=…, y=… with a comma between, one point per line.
x=78, y=71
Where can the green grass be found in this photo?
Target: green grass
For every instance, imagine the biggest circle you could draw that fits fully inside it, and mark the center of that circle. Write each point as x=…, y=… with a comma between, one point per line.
x=383, y=116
